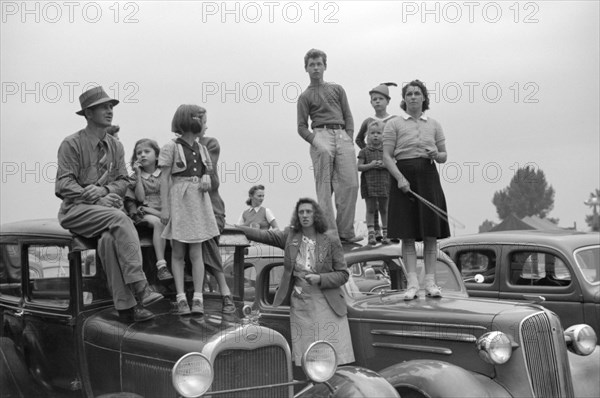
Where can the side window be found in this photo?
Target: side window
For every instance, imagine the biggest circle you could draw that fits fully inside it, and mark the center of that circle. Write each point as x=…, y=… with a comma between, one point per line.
x=374, y=269
x=273, y=282
x=588, y=261
x=10, y=271
x=95, y=285
x=532, y=268
x=477, y=262
x=356, y=269
x=49, y=275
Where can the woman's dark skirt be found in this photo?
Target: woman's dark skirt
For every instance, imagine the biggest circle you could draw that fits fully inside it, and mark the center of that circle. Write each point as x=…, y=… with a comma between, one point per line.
x=408, y=217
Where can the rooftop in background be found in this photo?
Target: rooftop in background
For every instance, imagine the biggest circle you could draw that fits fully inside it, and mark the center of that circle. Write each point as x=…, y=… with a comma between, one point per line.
x=513, y=223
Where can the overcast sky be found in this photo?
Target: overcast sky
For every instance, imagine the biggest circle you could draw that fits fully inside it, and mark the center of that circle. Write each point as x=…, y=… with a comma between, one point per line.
x=512, y=84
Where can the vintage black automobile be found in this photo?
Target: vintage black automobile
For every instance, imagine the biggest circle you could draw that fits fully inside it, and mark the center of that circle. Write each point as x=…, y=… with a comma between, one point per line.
x=454, y=346
x=61, y=336
x=560, y=269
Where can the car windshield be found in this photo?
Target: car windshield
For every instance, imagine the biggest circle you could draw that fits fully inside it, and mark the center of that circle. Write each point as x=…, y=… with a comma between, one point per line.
x=588, y=261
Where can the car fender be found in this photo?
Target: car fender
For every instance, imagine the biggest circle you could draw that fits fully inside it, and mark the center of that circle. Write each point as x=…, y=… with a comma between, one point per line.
x=585, y=371
x=351, y=381
x=431, y=378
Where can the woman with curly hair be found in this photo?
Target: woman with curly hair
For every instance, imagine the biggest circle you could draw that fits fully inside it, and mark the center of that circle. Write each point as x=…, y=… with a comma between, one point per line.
x=314, y=271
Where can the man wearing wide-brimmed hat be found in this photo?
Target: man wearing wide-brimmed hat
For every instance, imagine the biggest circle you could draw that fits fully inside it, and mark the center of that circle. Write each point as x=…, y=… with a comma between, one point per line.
x=91, y=181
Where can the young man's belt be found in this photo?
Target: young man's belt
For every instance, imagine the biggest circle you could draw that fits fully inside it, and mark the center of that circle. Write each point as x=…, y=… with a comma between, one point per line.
x=331, y=126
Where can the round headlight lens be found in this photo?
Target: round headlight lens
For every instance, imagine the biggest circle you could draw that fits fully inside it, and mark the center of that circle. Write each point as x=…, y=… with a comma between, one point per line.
x=319, y=361
x=192, y=375
x=494, y=348
x=581, y=339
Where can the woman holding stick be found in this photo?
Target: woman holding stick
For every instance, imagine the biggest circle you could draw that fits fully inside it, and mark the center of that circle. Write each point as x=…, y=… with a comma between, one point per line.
x=412, y=143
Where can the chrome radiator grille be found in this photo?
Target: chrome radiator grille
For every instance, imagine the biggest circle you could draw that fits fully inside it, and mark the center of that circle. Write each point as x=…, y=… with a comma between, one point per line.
x=245, y=368
x=541, y=350
x=232, y=369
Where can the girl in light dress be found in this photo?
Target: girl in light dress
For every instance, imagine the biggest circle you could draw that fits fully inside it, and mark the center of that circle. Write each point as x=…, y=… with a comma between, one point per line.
x=185, y=181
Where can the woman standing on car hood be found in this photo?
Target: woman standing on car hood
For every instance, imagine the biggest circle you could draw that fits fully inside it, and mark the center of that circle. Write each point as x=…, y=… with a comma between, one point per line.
x=314, y=270
x=412, y=143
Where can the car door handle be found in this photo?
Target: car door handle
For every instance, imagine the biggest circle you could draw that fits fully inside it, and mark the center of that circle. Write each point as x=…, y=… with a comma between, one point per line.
x=535, y=299
x=19, y=313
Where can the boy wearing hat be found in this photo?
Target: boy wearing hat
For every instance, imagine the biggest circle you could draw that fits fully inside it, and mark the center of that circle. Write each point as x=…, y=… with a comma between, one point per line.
x=331, y=147
x=91, y=180
x=380, y=99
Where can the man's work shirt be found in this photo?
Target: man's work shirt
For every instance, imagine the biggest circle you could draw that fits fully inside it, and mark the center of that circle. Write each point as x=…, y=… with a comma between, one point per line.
x=79, y=165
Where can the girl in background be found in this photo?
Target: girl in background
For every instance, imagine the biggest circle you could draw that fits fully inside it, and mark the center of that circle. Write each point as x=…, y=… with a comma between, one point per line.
x=257, y=216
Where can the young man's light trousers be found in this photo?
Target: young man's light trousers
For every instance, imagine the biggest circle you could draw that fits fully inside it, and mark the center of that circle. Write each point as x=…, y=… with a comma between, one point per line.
x=334, y=164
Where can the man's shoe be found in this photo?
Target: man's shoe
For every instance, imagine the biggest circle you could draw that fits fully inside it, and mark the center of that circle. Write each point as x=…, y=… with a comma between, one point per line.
x=228, y=305
x=378, y=235
x=148, y=296
x=141, y=314
x=164, y=274
x=353, y=239
x=183, y=308
x=197, y=307
x=135, y=314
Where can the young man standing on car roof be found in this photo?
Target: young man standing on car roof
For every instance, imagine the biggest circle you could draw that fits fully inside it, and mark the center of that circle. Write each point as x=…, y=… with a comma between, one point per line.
x=331, y=146
x=91, y=181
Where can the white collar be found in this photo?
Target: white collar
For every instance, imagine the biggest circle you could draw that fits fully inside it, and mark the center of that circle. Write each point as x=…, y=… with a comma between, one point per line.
x=146, y=175
x=406, y=116
x=256, y=209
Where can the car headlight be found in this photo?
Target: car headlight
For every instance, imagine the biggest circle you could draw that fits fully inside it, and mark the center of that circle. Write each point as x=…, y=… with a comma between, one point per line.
x=581, y=339
x=319, y=361
x=192, y=375
x=494, y=347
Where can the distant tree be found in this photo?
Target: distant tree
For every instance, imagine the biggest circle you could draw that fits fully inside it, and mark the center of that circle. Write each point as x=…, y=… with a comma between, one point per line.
x=486, y=226
x=528, y=194
x=592, y=220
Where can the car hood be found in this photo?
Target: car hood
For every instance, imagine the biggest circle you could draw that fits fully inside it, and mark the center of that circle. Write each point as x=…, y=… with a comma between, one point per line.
x=452, y=310
x=169, y=336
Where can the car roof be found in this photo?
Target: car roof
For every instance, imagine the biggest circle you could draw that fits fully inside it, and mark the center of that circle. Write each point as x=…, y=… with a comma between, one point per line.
x=50, y=227
x=350, y=250
x=568, y=239
x=38, y=227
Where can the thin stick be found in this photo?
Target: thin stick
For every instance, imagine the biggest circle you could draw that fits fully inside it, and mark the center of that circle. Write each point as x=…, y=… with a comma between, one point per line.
x=441, y=213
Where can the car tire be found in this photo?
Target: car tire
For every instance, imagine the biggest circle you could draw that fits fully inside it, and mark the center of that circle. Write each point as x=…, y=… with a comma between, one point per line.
x=15, y=379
